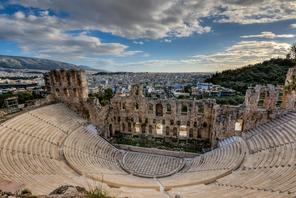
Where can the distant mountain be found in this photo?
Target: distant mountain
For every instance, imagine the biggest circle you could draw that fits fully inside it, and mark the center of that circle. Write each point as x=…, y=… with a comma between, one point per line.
x=18, y=62
x=272, y=71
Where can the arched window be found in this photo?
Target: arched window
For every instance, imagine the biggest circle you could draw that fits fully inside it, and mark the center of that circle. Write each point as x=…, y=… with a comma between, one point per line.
x=159, y=129
x=129, y=127
x=183, y=131
x=175, y=132
x=137, y=127
x=66, y=92
x=136, y=106
x=198, y=134
x=150, y=107
x=150, y=129
x=191, y=133
x=167, y=131
x=184, y=109
x=143, y=127
x=159, y=109
x=110, y=129
x=172, y=122
x=168, y=108
x=188, y=123
x=123, y=127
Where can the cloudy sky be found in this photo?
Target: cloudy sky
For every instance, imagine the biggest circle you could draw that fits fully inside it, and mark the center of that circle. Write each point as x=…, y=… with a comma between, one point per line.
x=149, y=35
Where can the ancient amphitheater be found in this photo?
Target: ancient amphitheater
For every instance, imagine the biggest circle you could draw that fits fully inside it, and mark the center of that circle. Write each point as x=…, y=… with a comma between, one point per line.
x=52, y=145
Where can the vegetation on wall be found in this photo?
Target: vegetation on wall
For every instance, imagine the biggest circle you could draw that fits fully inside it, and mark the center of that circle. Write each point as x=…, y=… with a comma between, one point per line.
x=105, y=97
x=230, y=100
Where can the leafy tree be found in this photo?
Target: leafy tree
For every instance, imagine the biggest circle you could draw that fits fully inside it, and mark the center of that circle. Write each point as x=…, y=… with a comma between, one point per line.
x=105, y=97
x=187, y=89
x=272, y=71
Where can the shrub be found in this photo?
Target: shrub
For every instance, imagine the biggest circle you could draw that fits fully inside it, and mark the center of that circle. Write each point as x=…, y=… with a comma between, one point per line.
x=96, y=193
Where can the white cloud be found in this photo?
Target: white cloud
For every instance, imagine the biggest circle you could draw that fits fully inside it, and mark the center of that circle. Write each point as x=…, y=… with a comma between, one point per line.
x=131, y=18
x=269, y=35
x=167, y=40
x=240, y=54
x=47, y=36
x=254, y=11
x=293, y=26
x=138, y=42
x=165, y=18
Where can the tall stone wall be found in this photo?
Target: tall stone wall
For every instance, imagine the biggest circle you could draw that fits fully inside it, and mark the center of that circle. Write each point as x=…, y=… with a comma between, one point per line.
x=67, y=85
x=262, y=103
x=289, y=101
x=172, y=118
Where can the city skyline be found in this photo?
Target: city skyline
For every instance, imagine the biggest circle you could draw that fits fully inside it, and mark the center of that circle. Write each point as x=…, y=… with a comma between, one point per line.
x=152, y=36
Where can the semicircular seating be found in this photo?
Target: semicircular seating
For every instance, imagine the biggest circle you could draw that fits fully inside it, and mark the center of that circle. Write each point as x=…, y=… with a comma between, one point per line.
x=51, y=146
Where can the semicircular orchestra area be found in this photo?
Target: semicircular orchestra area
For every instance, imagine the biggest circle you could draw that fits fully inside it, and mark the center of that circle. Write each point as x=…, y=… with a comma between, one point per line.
x=151, y=165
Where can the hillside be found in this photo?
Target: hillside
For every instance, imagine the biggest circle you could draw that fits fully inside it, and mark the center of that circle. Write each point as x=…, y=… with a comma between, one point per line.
x=272, y=71
x=18, y=62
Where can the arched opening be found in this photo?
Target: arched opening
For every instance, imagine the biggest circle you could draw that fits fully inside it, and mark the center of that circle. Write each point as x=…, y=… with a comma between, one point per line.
x=168, y=109
x=57, y=92
x=150, y=107
x=110, y=129
x=198, y=134
x=159, y=129
x=175, y=132
x=123, y=127
x=183, y=131
x=191, y=133
x=143, y=127
x=184, y=109
x=129, y=127
x=159, y=109
x=137, y=127
x=150, y=129
x=66, y=92
x=261, y=99
x=136, y=106
x=238, y=126
x=167, y=131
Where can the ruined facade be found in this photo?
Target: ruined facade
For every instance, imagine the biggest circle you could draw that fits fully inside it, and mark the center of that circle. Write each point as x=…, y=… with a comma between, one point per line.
x=175, y=119
x=262, y=103
x=67, y=85
x=169, y=118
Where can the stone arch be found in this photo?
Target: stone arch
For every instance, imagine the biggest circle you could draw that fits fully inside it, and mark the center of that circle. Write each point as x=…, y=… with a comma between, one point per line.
x=137, y=127
x=66, y=92
x=175, y=131
x=150, y=107
x=184, y=109
x=159, y=129
x=136, y=106
x=110, y=129
x=168, y=108
x=167, y=131
x=150, y=129
x=191, y=133
x=129, y=127
x=143, y=128
x=198, y=133
x=159, y=109
x=123, y=127
x=57, y=91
